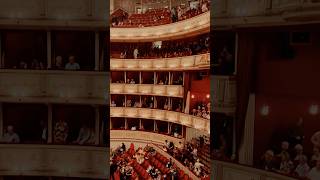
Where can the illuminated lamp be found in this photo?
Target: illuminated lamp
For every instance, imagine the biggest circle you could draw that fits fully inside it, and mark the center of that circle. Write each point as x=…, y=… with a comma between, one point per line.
x=314, y=109
x=264, y=111
x=208, y=96
x=192, y=96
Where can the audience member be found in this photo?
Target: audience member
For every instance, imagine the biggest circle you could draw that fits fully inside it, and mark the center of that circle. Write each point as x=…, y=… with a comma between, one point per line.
x=72, y=64
x=10, y=136
x=61, y=131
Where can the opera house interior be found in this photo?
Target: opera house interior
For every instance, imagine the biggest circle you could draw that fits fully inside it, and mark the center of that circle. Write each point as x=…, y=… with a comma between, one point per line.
x=53, y=91
x=159, y=89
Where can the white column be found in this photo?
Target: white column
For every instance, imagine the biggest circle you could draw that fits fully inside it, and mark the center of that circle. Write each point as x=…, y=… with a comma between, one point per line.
x=96, y=52
x=97, y=124
x=246, y=148
x=1, y=119
x=1, y=60
x=50, y=124
x=236, y=54
x=49, y=56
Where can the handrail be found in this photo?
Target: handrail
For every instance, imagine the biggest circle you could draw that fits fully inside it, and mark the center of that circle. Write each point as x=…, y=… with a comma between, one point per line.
x=194, y=62
x=141, y=137
x=162, y=115
x=147, y=89
x=53, y=160
x=196, y=25
x=50, y=86
x=233, y=171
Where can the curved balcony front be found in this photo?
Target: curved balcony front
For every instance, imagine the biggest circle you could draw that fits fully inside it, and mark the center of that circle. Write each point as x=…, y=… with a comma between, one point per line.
x=147, y=89
x=53, y=160
x=191, y=27
x=231, y=171
x=162, y=115
x=196, y=62
x=45, y=86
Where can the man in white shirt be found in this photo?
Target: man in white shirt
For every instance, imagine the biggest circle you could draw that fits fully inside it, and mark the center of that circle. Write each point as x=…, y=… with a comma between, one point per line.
x=135, y=53
x=10, y=136
x=72, y=64
x=314, y=174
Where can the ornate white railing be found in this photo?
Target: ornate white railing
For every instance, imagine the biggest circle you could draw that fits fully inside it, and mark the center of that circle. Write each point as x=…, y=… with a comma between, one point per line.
x=162, y=115
x=143, y=137
x=197, y=25
x=147, y=89
x=53, y=160
x=229, y=171
x=53, y=86
x=224, y=92
x=195, y=62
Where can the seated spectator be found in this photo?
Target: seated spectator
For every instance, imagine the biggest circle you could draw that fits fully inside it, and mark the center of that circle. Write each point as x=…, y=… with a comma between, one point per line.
x=84, y=135
x=303, y=168
x=314, y=174
x=286, y=165
x=36, y=64
x=284, y=148
x=315, y=156
x=267, y=162
x=315, y=139
x=58, y=65
x=23, y=65
x=72, y=64
x=113, y=104
x=61, y=131
x=299, y=152
x=10, y=136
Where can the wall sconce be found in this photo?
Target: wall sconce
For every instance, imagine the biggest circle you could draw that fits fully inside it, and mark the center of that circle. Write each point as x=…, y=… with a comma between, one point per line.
x=192, y=96
x=264, y=111
x=208, y=96
x=314, y=109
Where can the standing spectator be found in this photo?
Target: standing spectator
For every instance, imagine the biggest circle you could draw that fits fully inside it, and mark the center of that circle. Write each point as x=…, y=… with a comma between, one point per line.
x=44, y=132
x=10, y=136
x=135, y=53
x=72, y=64
x=61, y=131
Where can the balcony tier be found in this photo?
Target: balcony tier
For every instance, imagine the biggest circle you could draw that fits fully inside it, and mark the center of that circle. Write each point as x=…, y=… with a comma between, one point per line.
x=53, y=160
x=196, y=62
x=53, y=86
x=147, y=89
x=162, y=115
x=191, y=27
